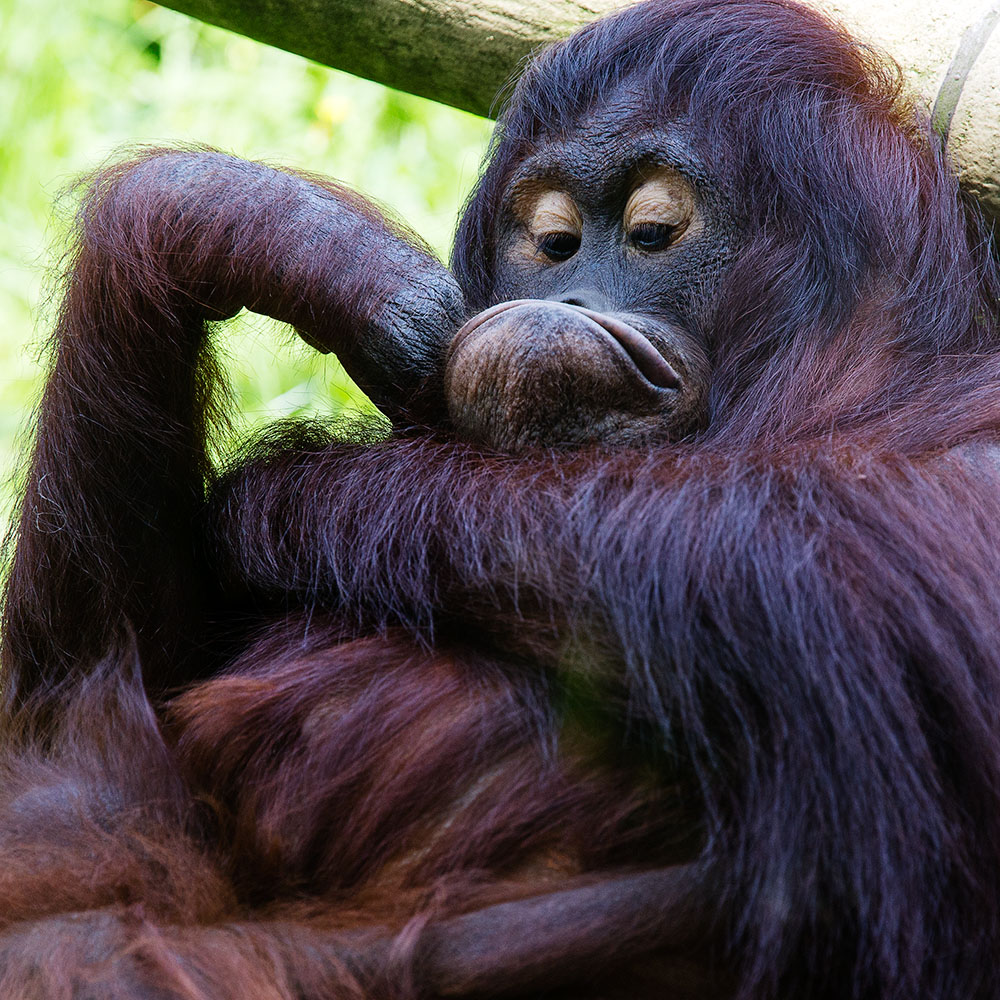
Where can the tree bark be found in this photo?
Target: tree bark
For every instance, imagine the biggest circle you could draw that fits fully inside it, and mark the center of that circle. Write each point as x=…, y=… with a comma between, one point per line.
x=463, y=52
x=459, y=52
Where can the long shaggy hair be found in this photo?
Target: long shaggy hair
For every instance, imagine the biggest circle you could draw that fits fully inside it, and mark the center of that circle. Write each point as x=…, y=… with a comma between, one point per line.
x=768, y=651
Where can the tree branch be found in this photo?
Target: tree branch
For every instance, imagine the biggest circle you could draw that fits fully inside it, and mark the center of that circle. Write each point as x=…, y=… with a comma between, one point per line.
x=459, y=52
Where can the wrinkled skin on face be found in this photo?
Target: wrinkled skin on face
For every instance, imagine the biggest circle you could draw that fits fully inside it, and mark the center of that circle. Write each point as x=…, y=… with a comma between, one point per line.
x=611, y=243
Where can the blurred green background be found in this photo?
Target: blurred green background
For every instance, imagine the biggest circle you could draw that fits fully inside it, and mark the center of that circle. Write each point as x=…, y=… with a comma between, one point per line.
x=82, y=79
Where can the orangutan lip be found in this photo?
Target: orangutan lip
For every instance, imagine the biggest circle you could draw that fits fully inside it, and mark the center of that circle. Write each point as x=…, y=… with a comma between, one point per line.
x=646, y=358
x=479, y=319
x=653, y=366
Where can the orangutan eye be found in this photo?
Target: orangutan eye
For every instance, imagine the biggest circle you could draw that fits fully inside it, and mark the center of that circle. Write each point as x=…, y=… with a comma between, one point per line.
x=553, y=223
x=660, y=210
x=651, y=236
x=559, y=246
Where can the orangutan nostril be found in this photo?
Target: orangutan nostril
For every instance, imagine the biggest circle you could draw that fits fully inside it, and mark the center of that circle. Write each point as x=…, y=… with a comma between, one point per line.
x=584, y=298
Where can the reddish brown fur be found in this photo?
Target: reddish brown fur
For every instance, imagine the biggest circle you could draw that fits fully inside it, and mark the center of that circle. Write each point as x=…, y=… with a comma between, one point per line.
x=338, y=806
x=491, y=689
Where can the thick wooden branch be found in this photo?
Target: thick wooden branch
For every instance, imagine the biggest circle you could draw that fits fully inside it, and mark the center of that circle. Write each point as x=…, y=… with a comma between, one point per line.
x=459, y=52
x=462, y=52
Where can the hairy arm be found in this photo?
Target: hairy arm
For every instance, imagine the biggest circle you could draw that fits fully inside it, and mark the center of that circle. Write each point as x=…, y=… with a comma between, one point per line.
x=167, y=243
x=795, y=627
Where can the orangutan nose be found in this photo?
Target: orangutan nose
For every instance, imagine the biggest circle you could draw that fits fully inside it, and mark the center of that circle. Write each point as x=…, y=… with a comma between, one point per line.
x=585, y=298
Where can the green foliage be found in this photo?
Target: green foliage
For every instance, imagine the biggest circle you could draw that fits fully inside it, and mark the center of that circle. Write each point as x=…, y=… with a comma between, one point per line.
x=79, y=81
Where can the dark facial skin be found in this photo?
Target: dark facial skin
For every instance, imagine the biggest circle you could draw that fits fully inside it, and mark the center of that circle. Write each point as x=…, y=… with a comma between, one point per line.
x=610, y=247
